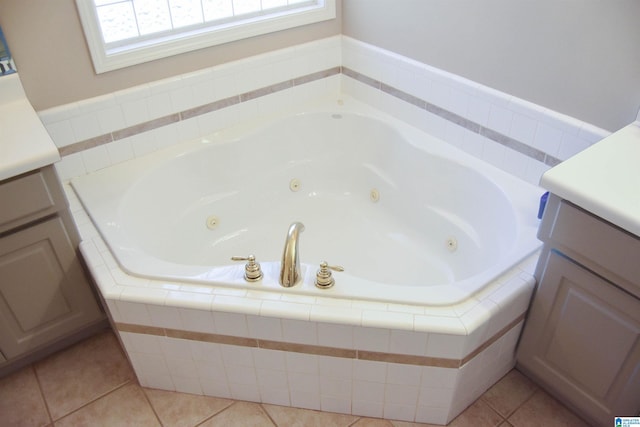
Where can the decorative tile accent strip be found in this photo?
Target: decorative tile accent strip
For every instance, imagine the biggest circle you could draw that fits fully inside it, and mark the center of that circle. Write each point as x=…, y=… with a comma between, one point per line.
x=194, y=112
x=454, y=118
x=472, y=126
x=318, y=350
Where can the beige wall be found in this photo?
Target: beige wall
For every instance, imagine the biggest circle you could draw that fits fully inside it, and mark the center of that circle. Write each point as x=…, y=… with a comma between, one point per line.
x=49, y=49
x=581, y=58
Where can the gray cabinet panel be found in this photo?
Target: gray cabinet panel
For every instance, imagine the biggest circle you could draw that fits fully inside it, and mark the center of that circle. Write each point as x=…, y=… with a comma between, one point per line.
x=41, y=292
x=46, y=301
x=581, y=339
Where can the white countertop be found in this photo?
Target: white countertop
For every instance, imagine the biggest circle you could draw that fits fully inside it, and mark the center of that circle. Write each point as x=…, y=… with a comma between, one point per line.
x=24, y=142
x=604, y=179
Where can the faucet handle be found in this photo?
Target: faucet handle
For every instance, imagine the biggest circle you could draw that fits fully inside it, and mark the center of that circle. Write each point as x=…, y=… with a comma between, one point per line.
x=324, y=280
x=252, y=271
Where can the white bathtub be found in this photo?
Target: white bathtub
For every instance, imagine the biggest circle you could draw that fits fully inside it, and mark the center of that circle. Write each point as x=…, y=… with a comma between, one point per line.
x=438, y=264
x=410, y=218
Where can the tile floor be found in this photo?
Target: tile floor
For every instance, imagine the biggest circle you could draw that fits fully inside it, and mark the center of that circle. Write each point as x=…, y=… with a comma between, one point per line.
x=92, y=384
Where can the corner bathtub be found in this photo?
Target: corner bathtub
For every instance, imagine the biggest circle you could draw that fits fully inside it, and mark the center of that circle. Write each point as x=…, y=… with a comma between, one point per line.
x=434, y=243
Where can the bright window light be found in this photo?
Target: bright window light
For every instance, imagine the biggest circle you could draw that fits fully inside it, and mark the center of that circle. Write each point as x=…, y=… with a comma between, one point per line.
x=121, y=33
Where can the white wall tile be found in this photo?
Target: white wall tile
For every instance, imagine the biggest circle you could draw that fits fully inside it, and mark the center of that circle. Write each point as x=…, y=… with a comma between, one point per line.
x=370, y=371
x=372, y=339
x=207, y=352
x=272, y=380
x=500, y=119
x=267, y=328
x=233, y=324
x=340, y=367
x=299, y=331
x=368, y=391
x=142, y=343
x=302, y=363
x=174, y=348
x=303, y=382
x=335, y=387
x=523, y=128
x=186, y=384
x=275, y=396
x=335, y=404
x=61, y=133
x=408, y=375
x=165, y=317
x=120, y=151
x=408, y=342
x=399, y=411
x=234, y=355
x=95, y=158
x=142, y=144
x=269, y=359
x=571, y=145
x=367, y=408
x=210, y=371
x=493, y=153
x=135, y=111
x=547, y=139
x=335, y=335
x=215, y=388
x=446, y=346
x=306, y=400
x=245, y=375
x=248, y=392
x=432, y=415
x=134, y=313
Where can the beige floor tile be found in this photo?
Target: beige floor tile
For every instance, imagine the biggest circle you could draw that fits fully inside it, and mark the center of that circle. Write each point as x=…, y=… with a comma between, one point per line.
x=182, y=409
x=126, y=406
x=21, y=402
x=544, y=410
x=477, y=415
x=294, y=417
x=509, y=393
x=82, y=373
x=240, y=414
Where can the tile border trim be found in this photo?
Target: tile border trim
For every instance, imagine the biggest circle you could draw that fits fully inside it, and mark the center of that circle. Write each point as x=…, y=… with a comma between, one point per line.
x=345, y=353
x=194, y=112
x=470, y=125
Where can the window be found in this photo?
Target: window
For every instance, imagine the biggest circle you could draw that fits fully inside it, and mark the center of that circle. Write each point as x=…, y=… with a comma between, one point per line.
x=121, y=33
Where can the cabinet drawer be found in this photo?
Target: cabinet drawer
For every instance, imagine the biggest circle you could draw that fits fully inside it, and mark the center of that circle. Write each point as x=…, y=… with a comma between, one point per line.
x=26, y=198
x=611, y=252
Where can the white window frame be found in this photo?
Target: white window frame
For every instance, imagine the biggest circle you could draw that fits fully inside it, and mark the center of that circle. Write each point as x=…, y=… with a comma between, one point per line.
x=107, y=60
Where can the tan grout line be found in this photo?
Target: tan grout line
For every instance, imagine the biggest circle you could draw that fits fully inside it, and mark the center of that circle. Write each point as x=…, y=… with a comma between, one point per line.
x=153, y=408
x=268, y=415
x=89, y=402
x=44, y=399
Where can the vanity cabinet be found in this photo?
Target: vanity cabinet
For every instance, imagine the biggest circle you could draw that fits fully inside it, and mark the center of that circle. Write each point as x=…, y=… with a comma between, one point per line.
x=46, y=301
x=581, y=340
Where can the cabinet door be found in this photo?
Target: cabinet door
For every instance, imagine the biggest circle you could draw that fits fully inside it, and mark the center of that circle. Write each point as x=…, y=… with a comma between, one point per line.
x=43, y=292
x=582, y=339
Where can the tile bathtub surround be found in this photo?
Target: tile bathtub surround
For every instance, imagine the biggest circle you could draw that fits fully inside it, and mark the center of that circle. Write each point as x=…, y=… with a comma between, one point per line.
x=506, y=131
x=278, y=347
x=24, y=401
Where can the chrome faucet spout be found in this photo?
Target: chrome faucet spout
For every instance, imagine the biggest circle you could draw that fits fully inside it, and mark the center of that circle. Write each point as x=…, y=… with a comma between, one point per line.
x=290, y=267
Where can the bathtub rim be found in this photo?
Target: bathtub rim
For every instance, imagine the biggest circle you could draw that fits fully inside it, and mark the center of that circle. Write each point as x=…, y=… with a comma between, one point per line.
x=233, y=276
